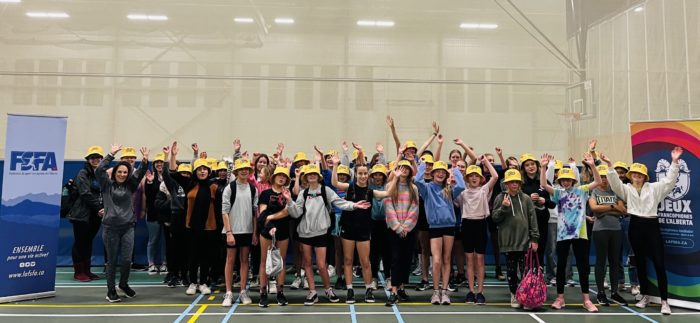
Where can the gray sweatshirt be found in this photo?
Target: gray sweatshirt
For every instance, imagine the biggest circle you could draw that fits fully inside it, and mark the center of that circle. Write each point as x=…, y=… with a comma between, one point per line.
x=316, y=221
x=118, y=198
x=241, y=214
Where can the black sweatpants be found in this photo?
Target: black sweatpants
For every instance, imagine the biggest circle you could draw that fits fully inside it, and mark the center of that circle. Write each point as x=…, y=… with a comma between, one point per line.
x=83, y=234
x=646, y=241
x=401, y=256
x=379, y=249
x=175, y=251
x=515, y=262
x=581, y=250
x=608, y=244
x=202, y=252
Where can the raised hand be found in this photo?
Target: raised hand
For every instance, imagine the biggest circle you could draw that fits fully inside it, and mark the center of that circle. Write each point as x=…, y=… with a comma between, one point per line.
x=335, y=159
x=544, y=160
x=572, y=160
x=676, y=153
x=173, y=149
x=237, y=144
x=255, y=155
x=592, y=144
x=203, y=155
x=436, y=128
x=605, y=159
x=144, y=152
x=344, y=145
x=402, y=148
x=286, y=194
x=195, y=148
x=380, y=148
x=244, y=155
x=115, y=148
x=390, y=122
x=166, y=150
x=149, y=176
x=458, y=142
x=499, y=151
x=357, y=146
x=297, y=171
x=588, y=159
x=506, y=201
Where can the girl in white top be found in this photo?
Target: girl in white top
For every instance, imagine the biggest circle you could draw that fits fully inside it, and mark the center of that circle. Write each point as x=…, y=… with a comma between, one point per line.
x=644, y=233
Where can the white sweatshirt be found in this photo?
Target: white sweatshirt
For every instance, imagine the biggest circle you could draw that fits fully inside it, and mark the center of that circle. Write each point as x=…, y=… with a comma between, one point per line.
x=645, y=203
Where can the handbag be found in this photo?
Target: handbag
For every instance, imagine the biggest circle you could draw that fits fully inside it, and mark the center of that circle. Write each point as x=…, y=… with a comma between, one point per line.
x=532, y=291
x=274, y=263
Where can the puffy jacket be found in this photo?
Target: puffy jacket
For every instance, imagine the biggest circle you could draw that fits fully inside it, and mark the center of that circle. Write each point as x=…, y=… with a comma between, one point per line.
x=89, y=201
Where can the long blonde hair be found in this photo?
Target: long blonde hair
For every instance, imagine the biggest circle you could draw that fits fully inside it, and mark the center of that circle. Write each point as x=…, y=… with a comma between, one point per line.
x=393, y=191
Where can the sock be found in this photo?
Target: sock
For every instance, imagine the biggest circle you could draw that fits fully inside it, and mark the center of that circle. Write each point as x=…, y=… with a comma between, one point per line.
x=348, y=286
x=368, y=286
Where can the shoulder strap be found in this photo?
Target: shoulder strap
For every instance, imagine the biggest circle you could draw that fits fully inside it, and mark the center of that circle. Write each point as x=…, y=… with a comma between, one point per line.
x=305, y=194
x=325, y=198
x=253, y=191
x=232, y=186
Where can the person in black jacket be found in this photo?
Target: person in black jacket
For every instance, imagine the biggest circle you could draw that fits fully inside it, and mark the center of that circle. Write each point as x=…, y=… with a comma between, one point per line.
x=530, y=169
x=85, y=215
x=172, y=203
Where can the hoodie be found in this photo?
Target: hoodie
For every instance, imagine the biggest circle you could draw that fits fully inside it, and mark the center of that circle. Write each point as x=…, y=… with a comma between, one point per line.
x=517, y=223
x=316, y=221
x=439, y=211
x=118, y=198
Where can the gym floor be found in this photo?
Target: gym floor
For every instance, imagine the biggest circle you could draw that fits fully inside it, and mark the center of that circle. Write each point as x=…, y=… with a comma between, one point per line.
x=155, y=302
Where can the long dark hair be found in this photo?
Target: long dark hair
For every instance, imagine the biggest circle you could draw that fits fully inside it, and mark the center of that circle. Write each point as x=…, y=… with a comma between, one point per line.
x=114, y=170
x=255, y=164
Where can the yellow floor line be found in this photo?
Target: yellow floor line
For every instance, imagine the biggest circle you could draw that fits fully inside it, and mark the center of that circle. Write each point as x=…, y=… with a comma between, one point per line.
x=196, y=315
x=211, y=298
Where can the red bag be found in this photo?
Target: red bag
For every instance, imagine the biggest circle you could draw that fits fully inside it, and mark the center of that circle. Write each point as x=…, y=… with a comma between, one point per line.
x=532, y=291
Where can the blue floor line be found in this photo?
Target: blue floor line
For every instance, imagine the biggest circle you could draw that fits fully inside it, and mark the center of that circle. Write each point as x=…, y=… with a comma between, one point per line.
x=629, y=309
x=397, y=313
x=188, y=309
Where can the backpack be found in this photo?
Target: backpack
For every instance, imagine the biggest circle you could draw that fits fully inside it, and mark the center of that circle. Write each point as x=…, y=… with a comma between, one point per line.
x=329, y=207
x=253, y=191
x=69, y=195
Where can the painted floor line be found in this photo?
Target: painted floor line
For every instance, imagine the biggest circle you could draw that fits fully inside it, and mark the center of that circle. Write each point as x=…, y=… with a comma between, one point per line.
x=536, y=318
x=394, y=308
x=188, y=309
x=196, y=315
x=631, y=310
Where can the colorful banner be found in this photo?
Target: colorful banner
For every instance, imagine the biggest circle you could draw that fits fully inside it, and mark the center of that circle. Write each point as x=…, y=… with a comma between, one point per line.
x=29, y=213
x=652, y=143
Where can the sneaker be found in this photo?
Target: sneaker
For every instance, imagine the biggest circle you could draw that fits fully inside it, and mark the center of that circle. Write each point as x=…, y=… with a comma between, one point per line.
x=228, y=299
x=357, y=272
x=602, y=299
x=306, y=284
x=403, y=297
x=588, y=305
x=152, y=270
x=373, y=284
x=168, y=278
x=311, y=299
x=272, y=288
x=615, y=297
x=184, y=281
x=480, y=299
x=392, y=300
x=296, y=283
x=112, y=296
x=445, y=298
x=129, y=293
x=418, y=271
x=236, y=283
x=558, y=303
x=387, y=286
x=461, y=280
x=350, y=298
x=621, y=287
x=204, y=289
x=191, y=290
x=255, y=283
x=263, y=300
x=369, y=296
x=245, y=299
x=643, y=302
x=514, y=301
x=634, y=290
x=163, y=269
x=331, y=296
x=435, y=299
x=665, y=308
x=452, y=287
x=471, y=298
x=423, y=285
x=553, y=282
x=281, y=299
x=571, y=283
x=331, y=271
x=174, y=282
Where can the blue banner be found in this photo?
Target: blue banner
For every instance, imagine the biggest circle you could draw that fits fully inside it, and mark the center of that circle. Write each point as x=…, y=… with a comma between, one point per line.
x=31, y=199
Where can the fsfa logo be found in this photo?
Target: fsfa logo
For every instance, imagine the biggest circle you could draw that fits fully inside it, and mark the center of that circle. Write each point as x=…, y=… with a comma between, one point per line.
x=33, y=161
x=682, y=184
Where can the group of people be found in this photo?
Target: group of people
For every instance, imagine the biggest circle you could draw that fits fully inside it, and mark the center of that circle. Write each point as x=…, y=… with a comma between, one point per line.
x=218, y=219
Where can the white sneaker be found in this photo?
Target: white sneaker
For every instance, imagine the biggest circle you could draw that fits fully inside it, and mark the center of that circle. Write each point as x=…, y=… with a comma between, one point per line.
x=152, y=270
x=571, y=283
x=606, y=285
x=306, y=283
x=255, y=283
x=191, y=290
x=665, y=308
x=514, y=301
x=228, y=299
x=331, y=271
x=245, y=299
x=163, y=269
x=643, y=302
x=373, y=284
x=272, y=289
x=634, y=290
x=296, y=283
x=204, y=289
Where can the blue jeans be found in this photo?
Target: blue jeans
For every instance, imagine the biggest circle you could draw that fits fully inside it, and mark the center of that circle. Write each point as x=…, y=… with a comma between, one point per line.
x=156, y=242
x=627, y=255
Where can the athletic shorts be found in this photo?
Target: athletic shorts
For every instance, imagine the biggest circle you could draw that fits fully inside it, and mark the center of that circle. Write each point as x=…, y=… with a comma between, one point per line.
x=242, y=240
x=474, y=235
x=316, y=242
x=439, y=232
x=356, y=233
x=281, y=234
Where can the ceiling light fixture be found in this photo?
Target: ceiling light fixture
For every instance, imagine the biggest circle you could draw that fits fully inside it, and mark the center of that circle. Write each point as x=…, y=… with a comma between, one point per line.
x=639, y=9
x=477, y=26
x=243, y=20
x=375, y=23
x=284, y=21
x=34, y=14
x=147, y=17
x=10, y=1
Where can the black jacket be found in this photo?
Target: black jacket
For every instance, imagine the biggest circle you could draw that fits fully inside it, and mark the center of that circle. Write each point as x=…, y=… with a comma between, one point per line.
x=151, y=190
x=531, y=186
x=89, y=201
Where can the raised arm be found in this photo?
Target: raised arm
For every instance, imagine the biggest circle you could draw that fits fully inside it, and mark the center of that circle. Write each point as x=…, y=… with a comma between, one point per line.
x=615, y=183
x=596, y=176
x=469, y=152
x=666, y=184
x=426, y=144
x=345, y=205
x=345, y=160
x=139, y=173
x=499, y=152
x=381, y=159
x=494, y=175
x=438, y=151
x=334, y=176
x=101, y=170
x=323, y=160
x=392, y=127
x=544, y=162
x=360, y=155
x=459, y=186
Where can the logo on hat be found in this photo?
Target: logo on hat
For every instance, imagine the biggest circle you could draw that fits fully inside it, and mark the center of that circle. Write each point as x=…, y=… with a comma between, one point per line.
x=682, y=184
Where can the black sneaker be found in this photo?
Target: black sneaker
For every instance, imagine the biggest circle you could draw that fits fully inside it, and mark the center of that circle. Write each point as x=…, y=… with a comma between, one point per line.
x=423, y=285
x=331, y=296
x=127, y=290
x=392, y=300
x=263, y=300
x=174, y=282
x=112, y=296
x=452, y=287
x=311, y=299
x=369, y=296
x=618, y=299
x=403, y=297
x=603, y=300
x=340, y=283
x=461, y=280
x=480, y=299
x=350, y=298
x=471, y=298
x=184, y=282
x=168, y=278
x=281, y=299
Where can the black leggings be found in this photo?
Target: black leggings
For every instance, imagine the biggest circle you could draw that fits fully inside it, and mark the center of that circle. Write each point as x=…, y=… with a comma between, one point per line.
x=646, y=241
x=401, y=256
x=543, y=227
x=202, y=252
x=379, y=247
x=608, y=244
x=515, y=261
x=581, y=249
x=174, y=247
x=84, y=233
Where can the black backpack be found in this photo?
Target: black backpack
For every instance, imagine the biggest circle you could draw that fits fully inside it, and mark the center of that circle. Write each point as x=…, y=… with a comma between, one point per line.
x=69, y=196
x=253, y=191
x=329, y=208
